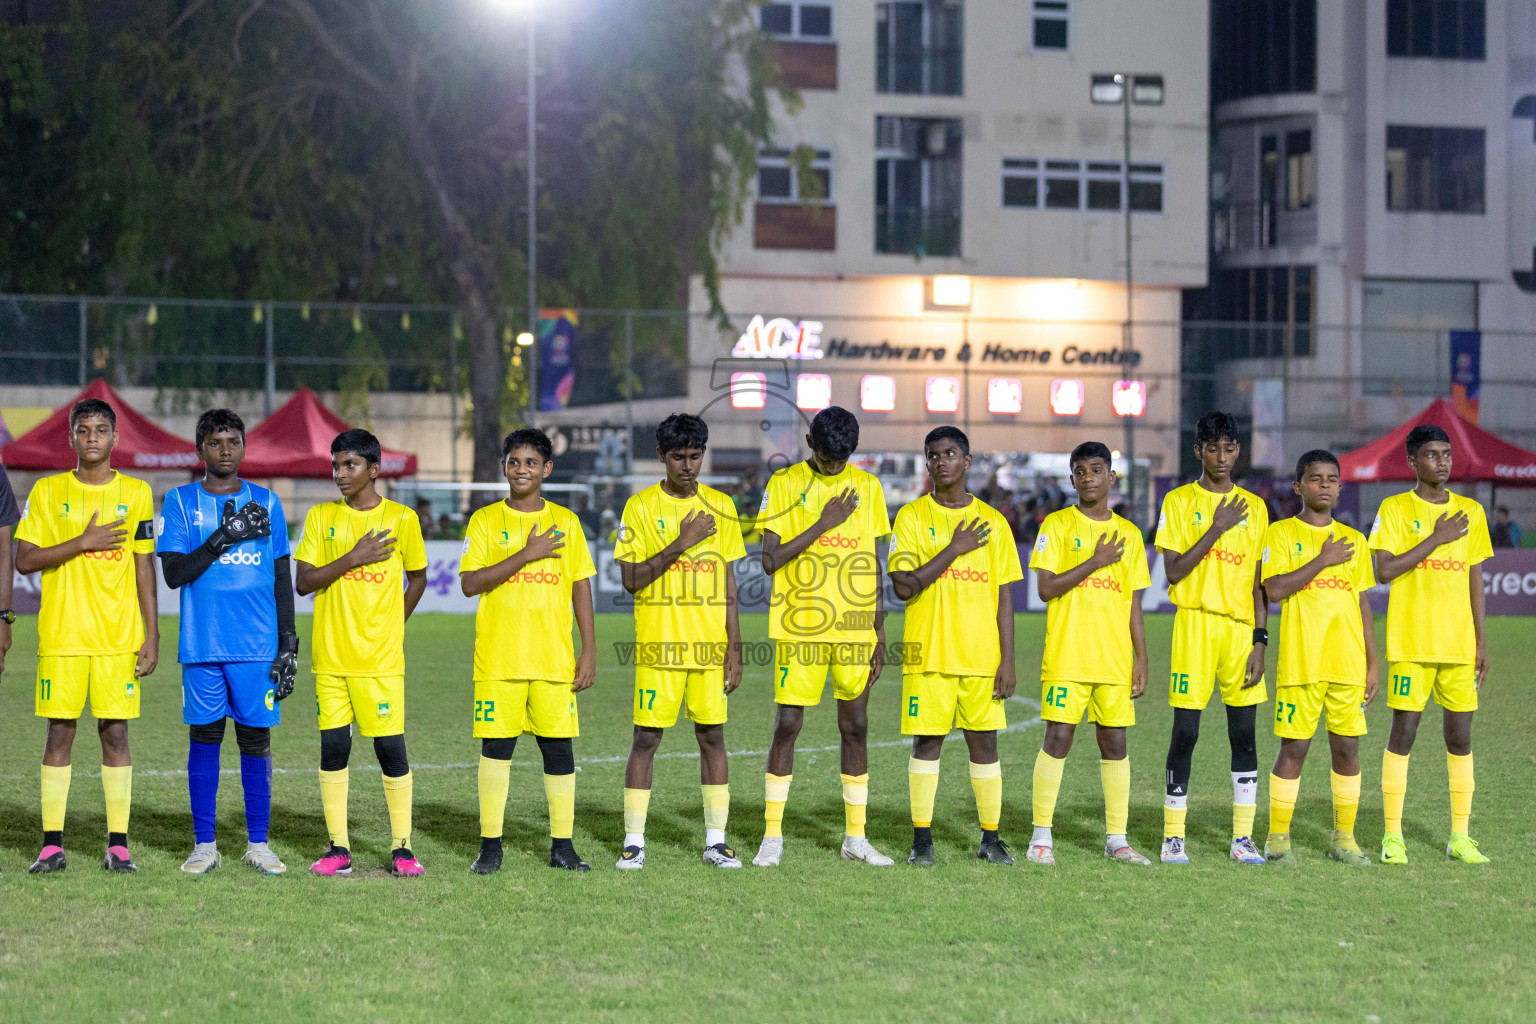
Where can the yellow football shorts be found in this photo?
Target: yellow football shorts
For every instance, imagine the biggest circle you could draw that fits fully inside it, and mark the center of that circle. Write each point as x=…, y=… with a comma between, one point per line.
x=660, y=693
x=801, y=666
x=933, y=703
x=65, y=680
x=1298, y=709
x=1454, y=687
x=505, y=707
x=1207, y=649
x=1108, y=704
x=377, y=703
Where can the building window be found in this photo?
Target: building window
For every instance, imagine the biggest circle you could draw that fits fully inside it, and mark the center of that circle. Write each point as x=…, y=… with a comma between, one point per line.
x=800, y=19
x=917, y=186
x=1254, y=313
x=1450, y=29
x=781, y=180
x=1300, y=176
x=1033, y=184
x=1049, y=28
x=1438, y=170
x=1263, y=47
x=1405, y=333
x=919, y=47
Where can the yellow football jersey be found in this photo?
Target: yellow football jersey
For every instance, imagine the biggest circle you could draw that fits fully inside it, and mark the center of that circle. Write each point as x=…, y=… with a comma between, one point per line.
x=827, y=593
x=1223, y=581
x=523, y=627
x=1429, y=616
x=360, y=619
x=1088, y=629
x=91, y=602
x=686, y=606
x=955, y=620
x=1321, y=635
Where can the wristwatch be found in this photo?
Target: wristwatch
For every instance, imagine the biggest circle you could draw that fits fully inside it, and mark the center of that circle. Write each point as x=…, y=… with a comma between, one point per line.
x=7, y=616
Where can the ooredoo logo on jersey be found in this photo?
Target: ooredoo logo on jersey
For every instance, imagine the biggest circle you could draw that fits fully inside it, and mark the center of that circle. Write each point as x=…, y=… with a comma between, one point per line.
x=363, y=574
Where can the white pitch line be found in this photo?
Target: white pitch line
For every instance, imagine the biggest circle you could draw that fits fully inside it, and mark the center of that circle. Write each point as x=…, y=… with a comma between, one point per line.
x=151, y=773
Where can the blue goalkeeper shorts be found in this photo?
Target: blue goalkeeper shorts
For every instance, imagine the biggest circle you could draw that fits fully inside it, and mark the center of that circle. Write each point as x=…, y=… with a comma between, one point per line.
x=232, y=689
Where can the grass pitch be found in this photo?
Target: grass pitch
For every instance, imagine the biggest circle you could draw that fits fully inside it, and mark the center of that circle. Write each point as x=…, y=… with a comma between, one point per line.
x=816, y=939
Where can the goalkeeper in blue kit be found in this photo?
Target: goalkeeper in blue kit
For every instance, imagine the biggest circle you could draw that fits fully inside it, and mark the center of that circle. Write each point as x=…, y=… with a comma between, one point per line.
x=239, y=650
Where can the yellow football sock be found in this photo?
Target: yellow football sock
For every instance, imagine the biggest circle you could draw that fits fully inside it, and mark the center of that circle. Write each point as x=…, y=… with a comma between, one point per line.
x=637, y=803
x=1047, y=784
x=117, y=785
x=55, y=796
x=495, y=777
x=1346, y=804
x=1462, y=785
x=987, y=784
x=922, y=786
x=1242, y=820
x=1394, y=790
x=855, y=803
x=1173, y=821
x=333, y=797
x=1116, y=778
x=560, y=791
x=776, y=792
x=397, y=797
x=717, y=805
x=1282, y=803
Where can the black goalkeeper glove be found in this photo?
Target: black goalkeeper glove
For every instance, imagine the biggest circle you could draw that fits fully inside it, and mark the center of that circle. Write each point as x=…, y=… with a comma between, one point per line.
x=286, y=665
x=249, y=523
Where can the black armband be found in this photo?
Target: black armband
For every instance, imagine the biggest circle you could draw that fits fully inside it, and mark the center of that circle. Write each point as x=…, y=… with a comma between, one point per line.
x=1260, y=636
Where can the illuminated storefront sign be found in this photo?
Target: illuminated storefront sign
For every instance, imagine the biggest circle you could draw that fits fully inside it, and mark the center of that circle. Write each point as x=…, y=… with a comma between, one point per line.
x=1067, y=397
x=877, y=394
x=813, y=391
x=749, y=390
x=1005, y=396
x=1130, y=397
x=779, y=339
x=942, y=394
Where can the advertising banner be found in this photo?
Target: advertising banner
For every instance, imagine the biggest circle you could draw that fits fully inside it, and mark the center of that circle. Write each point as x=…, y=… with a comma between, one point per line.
x=557, y=357
x=1466, y=372
x=1509, y=583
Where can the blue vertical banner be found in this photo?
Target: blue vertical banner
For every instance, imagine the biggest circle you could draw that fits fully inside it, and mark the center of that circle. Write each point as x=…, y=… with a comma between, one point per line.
x=1466, y=373
x=557, y=357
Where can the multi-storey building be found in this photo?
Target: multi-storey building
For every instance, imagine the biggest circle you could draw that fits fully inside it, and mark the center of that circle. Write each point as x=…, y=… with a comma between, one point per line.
x=1371, y=198
x=938, y=232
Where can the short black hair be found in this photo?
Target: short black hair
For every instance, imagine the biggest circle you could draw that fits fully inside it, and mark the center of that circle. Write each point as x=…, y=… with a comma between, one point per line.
x=1091, y=450
x=1216, y=426
x=1422, y=434
x=1315, y=455
x=215, y=420
x=948, y=433
x=681, y=430
x=91, y=407
x=835, y=433
x=528, y=437
x=1501, y=508
x=360, y=442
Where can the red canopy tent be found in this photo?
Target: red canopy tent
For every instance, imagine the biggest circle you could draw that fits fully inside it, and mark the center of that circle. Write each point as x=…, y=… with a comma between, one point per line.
x=296, y=439
x=1479, y=455
x=141, y=444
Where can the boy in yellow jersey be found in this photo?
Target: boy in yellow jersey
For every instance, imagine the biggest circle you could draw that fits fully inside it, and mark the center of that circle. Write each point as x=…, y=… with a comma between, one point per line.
x=1429, y=545
x=1091, y=567
x=821, y=521
x=1211, y=533
x=1319, y=571
x=954, y=562
x=528, y=560
x=676, y=548
x=364, y=560
x=90, y=532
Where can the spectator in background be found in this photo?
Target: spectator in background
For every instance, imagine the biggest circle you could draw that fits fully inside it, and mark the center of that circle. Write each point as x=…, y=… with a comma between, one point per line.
x=424, y=514
x=445, y=530
x=588, y=516
x=1506, y=533
x=608, y=527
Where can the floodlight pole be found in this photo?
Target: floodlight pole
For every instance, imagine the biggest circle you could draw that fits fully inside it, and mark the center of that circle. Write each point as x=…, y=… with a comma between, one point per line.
x=533, y=218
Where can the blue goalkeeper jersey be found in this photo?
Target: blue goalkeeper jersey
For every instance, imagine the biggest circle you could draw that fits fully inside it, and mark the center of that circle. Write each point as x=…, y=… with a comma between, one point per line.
x=229, y=613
